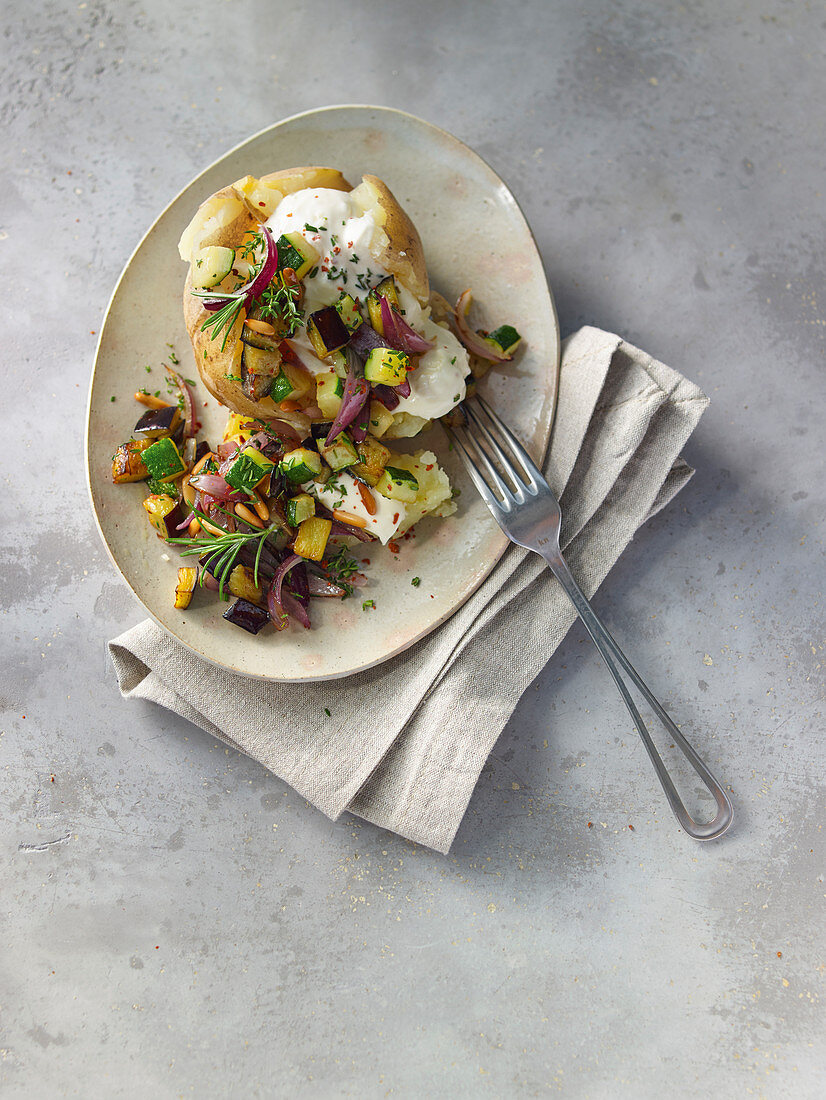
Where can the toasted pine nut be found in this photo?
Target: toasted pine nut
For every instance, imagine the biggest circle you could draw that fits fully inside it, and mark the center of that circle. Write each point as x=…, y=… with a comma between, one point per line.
x=213, y=530
x=260, y=326
x=346, y=517
x=194, y=527
x=261, y=509
x=150, y=401
x=199, y=465
x=247, y=514
x=367, y=498
x=289, y=406
x=263, y=486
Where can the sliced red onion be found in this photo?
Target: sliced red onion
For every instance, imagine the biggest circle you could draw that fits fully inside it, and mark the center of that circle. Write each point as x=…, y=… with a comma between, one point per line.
x=299, y=586
x=293, y=607
x=387, y=395
x=320, y=586
x=209, y=581
x=189, y=402
x=216, y=487
x=361, y=421
x=399, y=334
x=354, y=399
x=278, y=580
x=472, y=340
x=403, y=390
x=365, y=338
x=280, y=619
x=226, y=449
x=185, y=522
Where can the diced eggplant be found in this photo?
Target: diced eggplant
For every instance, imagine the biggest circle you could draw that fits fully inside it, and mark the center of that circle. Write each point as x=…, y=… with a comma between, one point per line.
x=247, y=615
x=165, y=514
x=264, y=341
x=157, y=423
x=327, y=331
x=187, y=579
x=258, y=368
x=127, y=461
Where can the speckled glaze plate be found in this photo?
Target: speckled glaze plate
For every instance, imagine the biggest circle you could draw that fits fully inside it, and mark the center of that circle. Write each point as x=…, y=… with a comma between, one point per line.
x=474, y=235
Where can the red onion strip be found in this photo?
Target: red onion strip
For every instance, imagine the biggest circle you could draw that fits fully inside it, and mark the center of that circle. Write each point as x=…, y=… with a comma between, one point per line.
x=399, y=333
x=472, y=340
x=257, y=285
x=215, y=486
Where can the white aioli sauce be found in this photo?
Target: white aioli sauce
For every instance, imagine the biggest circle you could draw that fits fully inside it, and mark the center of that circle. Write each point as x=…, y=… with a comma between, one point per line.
x=389, y=513
x=330, y=221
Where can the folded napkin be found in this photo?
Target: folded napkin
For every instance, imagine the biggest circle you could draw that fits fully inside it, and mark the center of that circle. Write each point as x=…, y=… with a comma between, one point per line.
x=408, y=739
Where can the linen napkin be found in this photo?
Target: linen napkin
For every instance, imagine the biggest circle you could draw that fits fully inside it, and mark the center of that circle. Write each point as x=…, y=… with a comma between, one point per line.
x=407, y=740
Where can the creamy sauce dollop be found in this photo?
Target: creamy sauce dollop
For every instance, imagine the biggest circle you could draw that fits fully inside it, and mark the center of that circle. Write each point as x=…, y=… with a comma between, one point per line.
x=345, y=236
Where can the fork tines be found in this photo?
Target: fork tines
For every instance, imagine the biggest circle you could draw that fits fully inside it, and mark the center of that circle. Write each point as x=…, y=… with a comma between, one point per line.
x=485, y=441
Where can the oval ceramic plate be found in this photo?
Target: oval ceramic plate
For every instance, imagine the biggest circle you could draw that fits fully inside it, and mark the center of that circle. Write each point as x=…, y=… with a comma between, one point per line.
x=474, y=235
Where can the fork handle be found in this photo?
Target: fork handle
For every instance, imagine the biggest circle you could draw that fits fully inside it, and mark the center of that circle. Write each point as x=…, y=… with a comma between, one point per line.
x=613, y=655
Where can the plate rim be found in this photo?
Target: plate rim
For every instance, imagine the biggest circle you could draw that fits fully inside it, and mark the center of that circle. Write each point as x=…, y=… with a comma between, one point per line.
x=496, y=556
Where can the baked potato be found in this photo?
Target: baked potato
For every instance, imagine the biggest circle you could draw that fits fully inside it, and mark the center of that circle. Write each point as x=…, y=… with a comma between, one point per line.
x=341, y=252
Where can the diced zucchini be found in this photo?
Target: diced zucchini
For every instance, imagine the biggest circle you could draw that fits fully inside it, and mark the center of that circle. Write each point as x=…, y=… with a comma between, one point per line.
x=163, y=488
x=329, y=392
x=300, y=508
x=327, y=331
x=341, y=452
x=386, y=365
x=165, y=513
x=211, y=265
x=505, y=339
x=385, y=289
x=127, y=461
x=156, y=423
x=295, y=252
x=397, y=484
x=187, y=579
x=373, y=457
x=311, y=540
x=249, y=468
x=163, y=460
x=349, y=312
x=338, y=361
x=300, y=465
x=281, y=388
x=380, y=419
x=242, y=584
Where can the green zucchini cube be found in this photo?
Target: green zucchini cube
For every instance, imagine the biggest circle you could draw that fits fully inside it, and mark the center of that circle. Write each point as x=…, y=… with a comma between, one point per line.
x=300, y=508
x=300, y=465
x=387, y=366
x=340, y=453
x=295, y=252
x=329, y=392
x=397, y=484
x=249, y=468
x=281, y=388
x=349, y=312
x=505, y=339
x=163, y=460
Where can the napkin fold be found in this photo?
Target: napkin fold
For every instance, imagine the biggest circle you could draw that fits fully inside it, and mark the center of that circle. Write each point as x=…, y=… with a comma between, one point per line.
x=406, y=741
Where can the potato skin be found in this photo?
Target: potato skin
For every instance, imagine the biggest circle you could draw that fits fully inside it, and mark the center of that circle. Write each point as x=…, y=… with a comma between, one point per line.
x=225, y=218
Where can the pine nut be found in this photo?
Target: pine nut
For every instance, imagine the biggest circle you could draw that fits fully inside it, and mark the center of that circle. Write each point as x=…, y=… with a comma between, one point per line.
x=262, y=510
x=150, y=401
x=194, y=527
x=346, y=517
x=367, y=499
x=248, y=515
x=259, y=326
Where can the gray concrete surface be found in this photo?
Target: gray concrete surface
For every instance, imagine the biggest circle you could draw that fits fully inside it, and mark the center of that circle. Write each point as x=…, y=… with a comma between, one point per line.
x=176, y=922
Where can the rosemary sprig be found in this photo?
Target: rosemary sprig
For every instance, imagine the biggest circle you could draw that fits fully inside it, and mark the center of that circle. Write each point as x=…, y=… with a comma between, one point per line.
x=222, y=550
x=223, y=319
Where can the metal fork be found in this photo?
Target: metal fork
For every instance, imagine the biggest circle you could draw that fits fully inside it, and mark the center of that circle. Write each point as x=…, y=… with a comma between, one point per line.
x=529, y=514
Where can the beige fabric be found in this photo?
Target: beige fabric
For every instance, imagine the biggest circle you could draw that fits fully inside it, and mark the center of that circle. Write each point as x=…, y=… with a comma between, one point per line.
x=407, y=740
